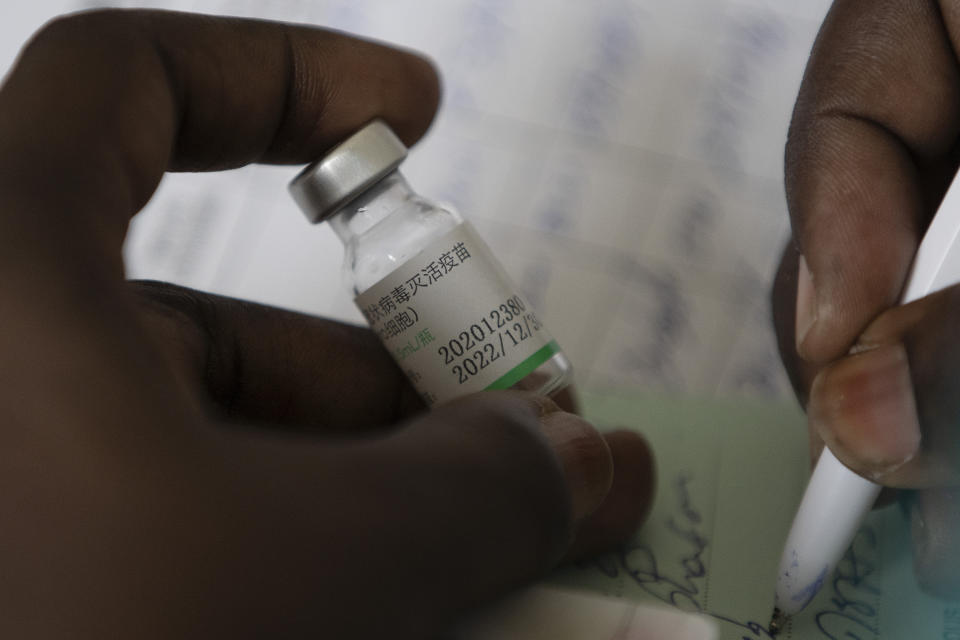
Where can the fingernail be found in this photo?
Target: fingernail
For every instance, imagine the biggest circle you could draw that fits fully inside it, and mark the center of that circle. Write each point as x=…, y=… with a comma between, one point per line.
x=585, y=458
x=629, y=501
x=864, y=408
x=806, y=303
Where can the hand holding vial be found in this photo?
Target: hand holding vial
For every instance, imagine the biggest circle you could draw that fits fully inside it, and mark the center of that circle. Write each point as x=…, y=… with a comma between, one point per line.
x=178, y=464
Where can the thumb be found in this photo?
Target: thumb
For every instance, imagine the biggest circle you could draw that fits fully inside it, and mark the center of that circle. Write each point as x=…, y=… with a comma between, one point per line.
x=888, y=411
x=445, y=513
x=497, y=483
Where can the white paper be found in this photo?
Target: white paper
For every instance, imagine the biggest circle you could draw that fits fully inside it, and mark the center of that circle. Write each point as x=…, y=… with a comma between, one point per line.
x=622, y=158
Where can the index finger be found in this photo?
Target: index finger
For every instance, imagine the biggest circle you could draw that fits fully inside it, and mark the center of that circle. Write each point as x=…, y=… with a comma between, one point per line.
x=100, y=104
x=867, y=161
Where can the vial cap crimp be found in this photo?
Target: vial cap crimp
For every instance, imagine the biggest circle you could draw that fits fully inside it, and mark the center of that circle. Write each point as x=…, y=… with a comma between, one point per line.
x=326, y=185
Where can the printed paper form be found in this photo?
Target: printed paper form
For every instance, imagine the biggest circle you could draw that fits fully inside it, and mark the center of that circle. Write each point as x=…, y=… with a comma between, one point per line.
x=622, y=157
x=730, y=476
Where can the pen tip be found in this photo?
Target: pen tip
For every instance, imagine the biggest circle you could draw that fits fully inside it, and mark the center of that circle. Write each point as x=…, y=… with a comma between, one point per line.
x=777, y=622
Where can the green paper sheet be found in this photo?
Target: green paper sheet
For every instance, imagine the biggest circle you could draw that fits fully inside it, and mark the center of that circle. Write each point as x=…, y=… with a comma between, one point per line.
x=730, y=477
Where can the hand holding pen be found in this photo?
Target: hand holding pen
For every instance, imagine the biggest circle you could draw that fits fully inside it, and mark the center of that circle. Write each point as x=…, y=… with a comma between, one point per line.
x=871, y=152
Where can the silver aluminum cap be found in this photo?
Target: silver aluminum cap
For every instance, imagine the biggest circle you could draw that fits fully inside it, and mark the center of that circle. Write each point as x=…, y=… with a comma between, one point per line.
x=354, y=165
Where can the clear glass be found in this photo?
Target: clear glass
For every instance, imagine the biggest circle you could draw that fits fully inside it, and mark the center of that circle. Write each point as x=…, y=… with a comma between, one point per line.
x=390, y=223
x=384, y=227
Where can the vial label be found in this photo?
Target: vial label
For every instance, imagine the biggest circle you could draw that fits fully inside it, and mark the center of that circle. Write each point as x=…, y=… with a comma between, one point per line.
x=453, y=320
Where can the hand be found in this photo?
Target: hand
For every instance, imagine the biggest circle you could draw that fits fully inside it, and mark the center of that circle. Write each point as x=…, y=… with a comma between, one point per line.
x=181, y=465
x=871, y=150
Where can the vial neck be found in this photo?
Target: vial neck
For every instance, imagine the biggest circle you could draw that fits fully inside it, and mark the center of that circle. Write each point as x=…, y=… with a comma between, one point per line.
x=372, y=206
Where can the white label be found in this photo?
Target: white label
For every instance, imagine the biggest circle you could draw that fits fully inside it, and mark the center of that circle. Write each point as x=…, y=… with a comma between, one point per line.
x=454, y=321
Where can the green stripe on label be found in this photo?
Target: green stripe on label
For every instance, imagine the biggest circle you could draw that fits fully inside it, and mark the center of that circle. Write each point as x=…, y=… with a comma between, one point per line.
x=526, y=367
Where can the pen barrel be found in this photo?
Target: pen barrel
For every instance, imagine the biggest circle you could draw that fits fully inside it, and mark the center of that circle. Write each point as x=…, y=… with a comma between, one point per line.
x=833, y=506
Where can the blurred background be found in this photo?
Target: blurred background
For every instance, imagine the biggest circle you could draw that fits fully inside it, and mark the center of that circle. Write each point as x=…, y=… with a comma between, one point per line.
x=622, y=157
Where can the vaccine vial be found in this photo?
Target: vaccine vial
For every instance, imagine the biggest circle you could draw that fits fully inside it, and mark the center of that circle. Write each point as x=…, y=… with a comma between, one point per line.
x=427, y=284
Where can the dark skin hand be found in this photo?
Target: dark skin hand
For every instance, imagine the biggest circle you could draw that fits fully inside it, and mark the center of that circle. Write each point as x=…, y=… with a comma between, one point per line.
x=179, y=465
x=871, y=151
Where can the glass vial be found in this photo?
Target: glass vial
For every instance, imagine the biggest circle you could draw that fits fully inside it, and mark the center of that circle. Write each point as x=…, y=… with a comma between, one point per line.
x=429, y=287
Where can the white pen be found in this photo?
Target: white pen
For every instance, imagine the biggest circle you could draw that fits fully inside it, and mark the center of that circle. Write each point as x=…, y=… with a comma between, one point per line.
x=837, y=499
